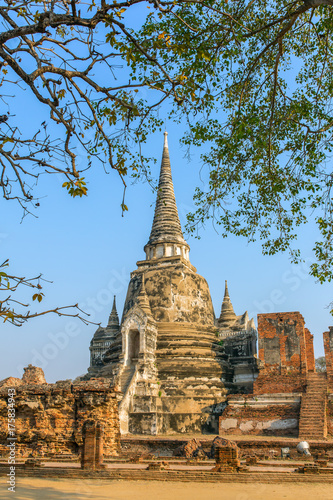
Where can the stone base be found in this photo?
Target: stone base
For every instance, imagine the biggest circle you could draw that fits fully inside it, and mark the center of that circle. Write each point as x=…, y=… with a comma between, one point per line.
x=172, y=423
x=314, y=469
x=33, y=462
x=265, y=414
x=228, y=468
x=158, y=466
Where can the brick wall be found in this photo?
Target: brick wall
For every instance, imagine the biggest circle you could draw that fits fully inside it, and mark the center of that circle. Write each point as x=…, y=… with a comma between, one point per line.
x=274, y=382
x=329, y=416
x=250, y=415
x=50, y=417
x=328, y=346
x=286, y=352
x=227, y=458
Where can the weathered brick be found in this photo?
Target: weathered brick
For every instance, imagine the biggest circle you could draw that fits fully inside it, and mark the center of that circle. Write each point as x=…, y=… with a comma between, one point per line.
x=328, y=346
x=49, y=417
x=286, y=350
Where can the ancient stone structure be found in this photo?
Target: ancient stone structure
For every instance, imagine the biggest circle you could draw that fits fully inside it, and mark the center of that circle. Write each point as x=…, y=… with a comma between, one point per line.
x=49, y=417
x=227, y=457
x=264, y=414
x=102, y=340
x=190, y=449
x=92, y=449
x=169, y=356
x=33, y=375
x=238, y=336
x=181, y=370
x=286, y=351
x=289, y=398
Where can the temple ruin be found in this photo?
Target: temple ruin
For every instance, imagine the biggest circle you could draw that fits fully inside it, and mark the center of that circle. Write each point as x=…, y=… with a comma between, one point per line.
x=51, y=418
x=182, y=370
x=170, y=366
x=169, y=355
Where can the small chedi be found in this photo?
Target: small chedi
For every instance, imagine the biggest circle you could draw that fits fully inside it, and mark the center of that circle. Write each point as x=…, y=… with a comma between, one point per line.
x=181, y=370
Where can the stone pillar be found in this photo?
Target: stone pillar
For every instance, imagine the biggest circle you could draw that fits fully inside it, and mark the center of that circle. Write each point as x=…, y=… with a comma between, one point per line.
x=309, y=351
x=328, y=346
x=92, y=452
x=227, y=458
x=99, y=445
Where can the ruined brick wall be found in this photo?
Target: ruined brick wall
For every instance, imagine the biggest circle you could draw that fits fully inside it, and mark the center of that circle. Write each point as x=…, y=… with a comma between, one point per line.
x=286, y=350
x=33, y=375
x=273, y=382
x=227, y=457
x=248, y=415
x=96, y=400
x=328, y=346
x=49, y=417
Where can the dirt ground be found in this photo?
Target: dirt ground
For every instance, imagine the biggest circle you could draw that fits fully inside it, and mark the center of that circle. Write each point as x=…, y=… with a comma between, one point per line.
x=56, y=489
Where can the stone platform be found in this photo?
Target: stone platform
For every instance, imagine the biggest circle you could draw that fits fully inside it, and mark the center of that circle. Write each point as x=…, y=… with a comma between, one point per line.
x=194, y=475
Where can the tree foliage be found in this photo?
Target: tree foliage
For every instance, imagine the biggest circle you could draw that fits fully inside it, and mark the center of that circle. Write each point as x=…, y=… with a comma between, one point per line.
x=321, y=364
x=17, y=312
x=72, y=60
x=258, y=77
x=65, y=55
x=253, y=80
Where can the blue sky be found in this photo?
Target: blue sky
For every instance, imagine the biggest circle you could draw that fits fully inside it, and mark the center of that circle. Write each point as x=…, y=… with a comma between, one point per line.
x=87, y=249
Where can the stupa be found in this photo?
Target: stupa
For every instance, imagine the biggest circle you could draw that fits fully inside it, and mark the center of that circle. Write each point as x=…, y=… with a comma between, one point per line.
x=166, y=355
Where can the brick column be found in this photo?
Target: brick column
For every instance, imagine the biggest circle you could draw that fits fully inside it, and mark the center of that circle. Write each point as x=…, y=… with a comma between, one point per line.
x=89, y=445
x=328, y=346
x=92, y=452
x=309, y=351
x=300, y=330
x=99, y=445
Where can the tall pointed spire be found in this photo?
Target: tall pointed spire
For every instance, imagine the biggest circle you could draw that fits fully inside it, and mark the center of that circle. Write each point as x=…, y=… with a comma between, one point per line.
x=166, y=225
x=113, y=318
x=227, y=311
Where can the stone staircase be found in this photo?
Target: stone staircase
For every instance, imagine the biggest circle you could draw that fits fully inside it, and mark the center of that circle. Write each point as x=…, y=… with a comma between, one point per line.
x=312, y=421
x=126, y=377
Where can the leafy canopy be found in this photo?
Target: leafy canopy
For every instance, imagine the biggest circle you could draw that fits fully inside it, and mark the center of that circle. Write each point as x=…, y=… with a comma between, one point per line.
x=252, y=79
x=257, y=84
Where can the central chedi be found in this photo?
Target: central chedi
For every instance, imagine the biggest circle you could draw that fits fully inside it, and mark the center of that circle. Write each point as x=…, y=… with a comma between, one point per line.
x=165, y=355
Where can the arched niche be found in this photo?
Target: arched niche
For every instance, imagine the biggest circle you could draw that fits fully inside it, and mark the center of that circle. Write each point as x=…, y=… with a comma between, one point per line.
x=133, y=337
x=133, y=346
